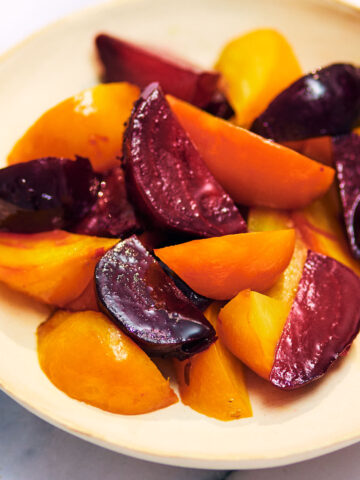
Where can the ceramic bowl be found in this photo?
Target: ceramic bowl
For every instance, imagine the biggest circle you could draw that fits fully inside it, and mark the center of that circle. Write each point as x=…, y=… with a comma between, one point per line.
x=59, y=62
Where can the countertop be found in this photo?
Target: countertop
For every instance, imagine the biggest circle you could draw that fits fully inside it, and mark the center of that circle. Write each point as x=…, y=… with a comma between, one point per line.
x=31, y=449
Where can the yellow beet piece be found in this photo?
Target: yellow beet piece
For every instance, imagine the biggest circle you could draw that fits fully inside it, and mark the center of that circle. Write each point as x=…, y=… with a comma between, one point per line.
x=53, y=267
x=90, y=124
x=256, y=67
x=250, y=326
x=268, y=219
x=88, y=358
x=212, y=382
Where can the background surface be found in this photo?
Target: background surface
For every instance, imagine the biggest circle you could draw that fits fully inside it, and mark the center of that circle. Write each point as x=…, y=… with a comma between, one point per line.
x=31, y=449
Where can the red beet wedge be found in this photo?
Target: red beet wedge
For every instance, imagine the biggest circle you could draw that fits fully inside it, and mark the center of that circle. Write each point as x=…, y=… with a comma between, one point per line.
x=46, y=194
x=142, y=300
x=323, y=321
x=346, y=153
x=167, y=179
x=111, y=215
x=125, y=61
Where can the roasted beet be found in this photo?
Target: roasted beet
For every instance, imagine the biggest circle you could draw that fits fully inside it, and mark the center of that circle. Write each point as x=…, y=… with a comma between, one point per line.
x=143, y=301
x=111, y=215
x=124, y=61
x=323, y=321
x=346, y=152
x=167, y=178
x=219, y=106
x=324, y=102
x=198, y=300
x=46, y=194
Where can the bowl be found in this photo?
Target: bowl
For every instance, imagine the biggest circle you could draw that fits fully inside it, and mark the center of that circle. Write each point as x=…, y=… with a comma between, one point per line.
x=59, y=62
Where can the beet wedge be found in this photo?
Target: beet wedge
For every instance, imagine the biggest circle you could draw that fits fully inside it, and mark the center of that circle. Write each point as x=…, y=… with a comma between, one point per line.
x=46, y=194
x=324, y=102
x=167, y=179
x=125, y=61
x=346, y=153
x=111, y=215
x=323, y=321
x=142, y=300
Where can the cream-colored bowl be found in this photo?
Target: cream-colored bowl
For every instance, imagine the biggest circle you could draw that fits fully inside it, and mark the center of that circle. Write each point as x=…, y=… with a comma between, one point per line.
x=58, y=62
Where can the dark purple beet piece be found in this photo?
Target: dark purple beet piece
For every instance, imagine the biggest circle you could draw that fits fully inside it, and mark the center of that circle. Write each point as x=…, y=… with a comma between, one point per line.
x=346, y=154
x=125, y=61
x=112, y=215
x=166, y=177
x=323, y=321
x=219, y=106
x=45, y=194
x=198, y=300
x=144, y=302
x=324, y=102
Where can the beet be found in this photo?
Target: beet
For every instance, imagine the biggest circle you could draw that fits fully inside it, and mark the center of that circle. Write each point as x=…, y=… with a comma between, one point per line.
x=166, y=177
x=201, y=302
x=142, y=300
x=324, y=102
x=346, y=153
x=125, y=61
x=219, y=106
x=46, y=194
x=323, y=321
x=112, y=215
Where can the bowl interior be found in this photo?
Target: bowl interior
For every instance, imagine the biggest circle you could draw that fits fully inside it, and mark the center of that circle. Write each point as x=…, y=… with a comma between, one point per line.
x=58, y=62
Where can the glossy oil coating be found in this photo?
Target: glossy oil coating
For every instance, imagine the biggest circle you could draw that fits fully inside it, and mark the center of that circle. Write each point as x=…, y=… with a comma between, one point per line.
x=346, y=153
x=46, y=194
x=143, y=301
x=167, y=178
x=322, y=323
x=112, y=215
x=324, y=102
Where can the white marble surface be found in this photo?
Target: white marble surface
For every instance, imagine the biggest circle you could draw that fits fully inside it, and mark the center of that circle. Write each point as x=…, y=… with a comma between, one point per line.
x=31, y=449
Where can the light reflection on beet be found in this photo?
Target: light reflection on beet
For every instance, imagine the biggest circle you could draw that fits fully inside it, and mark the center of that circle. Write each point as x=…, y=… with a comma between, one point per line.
x=46, y=194
x=143, y=301
x=167, y=179
x=324, y=102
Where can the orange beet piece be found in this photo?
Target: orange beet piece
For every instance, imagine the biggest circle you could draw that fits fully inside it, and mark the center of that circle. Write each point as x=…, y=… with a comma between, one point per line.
x=87, y=357
x=250, y=326
x=254, y=171
x=220, y=267
x=90, y=125
x=53, y=267
x=317, y=148
x=256, y=67
x=212, y=382
x=267, y=219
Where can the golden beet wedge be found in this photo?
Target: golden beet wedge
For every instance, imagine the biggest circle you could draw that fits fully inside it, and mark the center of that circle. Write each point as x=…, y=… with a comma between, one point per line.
x=253, y=170
x=53, y=267
x=88, y=358
x=256, y=67
x=90, y=124
x=250, y=326
x=212, y=382
x=220, y=267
